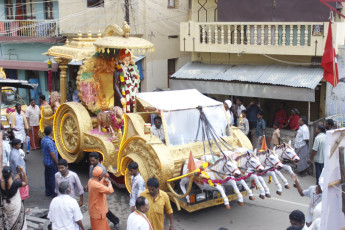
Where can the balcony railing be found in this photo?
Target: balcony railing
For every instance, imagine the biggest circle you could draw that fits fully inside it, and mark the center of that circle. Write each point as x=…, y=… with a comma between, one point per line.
x=257, y=38
x=29, y=28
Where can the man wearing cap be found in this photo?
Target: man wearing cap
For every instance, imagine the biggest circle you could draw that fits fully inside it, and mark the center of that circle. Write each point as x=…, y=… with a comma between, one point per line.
x=98, y=186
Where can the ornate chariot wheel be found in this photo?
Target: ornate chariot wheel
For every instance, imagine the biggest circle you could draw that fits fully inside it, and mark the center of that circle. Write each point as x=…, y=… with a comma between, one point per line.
x=136, y=149
x=70, y=122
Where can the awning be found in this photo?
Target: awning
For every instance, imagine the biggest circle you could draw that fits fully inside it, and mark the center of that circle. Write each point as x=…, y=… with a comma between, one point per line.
x=264, y=81
x=27, y=65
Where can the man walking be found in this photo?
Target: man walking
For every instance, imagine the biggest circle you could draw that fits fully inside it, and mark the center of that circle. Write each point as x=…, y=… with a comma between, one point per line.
x=64, y=211
x=64, y=174
x=94, y=162
x=318, y=151
x=137, y=220
x=33, y=117
x=98, y=187
x=158, y=202
x=50, y=160
x=138, y=184
x=6, y=149
x=252, y=111
x=19, y=124
x=301, y=146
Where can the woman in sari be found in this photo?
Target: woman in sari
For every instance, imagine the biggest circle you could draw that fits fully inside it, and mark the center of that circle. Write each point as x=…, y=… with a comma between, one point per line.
x=13, y=206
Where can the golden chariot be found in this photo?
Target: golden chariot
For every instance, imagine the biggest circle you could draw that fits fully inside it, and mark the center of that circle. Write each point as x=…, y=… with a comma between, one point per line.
x=75, y=124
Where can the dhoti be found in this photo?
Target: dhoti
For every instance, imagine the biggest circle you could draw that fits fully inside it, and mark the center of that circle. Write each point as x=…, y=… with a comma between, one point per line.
x=20, y=134
x=34, y=139
x=303, y=154
x=99, y=224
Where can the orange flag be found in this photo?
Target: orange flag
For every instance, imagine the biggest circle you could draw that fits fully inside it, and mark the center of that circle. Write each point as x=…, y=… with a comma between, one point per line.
x=191, y=163
x=264, y=145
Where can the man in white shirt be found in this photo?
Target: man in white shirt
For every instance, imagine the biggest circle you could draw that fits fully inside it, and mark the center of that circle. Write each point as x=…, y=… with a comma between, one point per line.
x=239, y=107
x=314, y=192
x=157, y=128
x=64, y=174
x=138, y=184
x=137, y=220
x=317, y=154
x=64, y=211
x=33, y=116
x=301, y=146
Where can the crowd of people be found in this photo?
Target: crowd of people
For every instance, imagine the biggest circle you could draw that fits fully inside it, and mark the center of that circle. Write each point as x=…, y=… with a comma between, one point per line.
x=247, y=121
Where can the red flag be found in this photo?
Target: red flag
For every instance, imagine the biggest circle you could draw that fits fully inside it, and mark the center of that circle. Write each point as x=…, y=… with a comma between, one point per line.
x=329, y=60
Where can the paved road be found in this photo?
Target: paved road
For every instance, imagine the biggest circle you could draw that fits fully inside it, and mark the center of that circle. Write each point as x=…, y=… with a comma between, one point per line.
x=259, y=214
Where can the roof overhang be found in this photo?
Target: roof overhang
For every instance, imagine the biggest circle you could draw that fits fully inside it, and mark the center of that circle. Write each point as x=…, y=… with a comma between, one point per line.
x=27, y=65
x=265, y=81
x=16, y=83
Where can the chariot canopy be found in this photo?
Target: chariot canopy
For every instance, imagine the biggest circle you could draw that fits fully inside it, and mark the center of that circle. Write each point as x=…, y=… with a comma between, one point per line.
x=176, y=100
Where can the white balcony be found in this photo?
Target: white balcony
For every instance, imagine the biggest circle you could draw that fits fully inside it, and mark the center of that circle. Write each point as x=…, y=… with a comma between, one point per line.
x=276, y=38
x=29, y=28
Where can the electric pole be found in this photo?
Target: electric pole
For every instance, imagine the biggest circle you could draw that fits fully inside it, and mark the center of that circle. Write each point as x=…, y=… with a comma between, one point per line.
x=127, y=11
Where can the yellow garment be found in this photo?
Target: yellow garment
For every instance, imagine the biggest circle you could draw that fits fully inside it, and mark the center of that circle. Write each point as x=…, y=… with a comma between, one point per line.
x=14, y=115
x=157, y=207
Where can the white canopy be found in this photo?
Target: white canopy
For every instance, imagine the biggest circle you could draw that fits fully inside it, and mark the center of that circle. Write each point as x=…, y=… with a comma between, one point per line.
x=177, y=99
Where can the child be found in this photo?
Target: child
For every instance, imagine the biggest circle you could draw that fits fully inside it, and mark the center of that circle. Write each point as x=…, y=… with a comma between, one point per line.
x=260, y=129
x=243, y=123
x=276, y=135
x=315, y=194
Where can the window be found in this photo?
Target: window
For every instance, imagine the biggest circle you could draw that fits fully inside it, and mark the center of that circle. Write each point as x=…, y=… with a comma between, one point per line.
x=30, y=9
x=171, y=68
x=48, y=7
x=95, y=3
x=189, y=4
x=171, y=3
x=9, y=9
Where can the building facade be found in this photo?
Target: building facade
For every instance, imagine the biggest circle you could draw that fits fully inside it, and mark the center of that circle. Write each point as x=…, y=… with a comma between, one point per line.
x=271, y=51
x=27, y=29
x=156, y=21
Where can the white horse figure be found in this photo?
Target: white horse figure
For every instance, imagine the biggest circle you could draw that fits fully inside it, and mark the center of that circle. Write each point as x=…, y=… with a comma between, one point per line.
x=270, y=161
x=285, y=151
x=249, y=165
x=234, y=181
x=220, y=170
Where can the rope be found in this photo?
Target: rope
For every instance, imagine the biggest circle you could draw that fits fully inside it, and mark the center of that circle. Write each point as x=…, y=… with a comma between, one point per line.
x=338, y=189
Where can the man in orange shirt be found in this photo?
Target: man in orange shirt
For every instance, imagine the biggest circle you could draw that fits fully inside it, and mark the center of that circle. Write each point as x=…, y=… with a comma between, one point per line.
x=98, y=186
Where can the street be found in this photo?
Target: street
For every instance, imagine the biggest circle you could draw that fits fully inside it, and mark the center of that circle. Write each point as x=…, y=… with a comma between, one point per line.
x=259, y=214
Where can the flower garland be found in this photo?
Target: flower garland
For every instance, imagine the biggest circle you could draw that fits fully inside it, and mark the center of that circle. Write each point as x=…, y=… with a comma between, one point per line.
x=130, y=80
x=117, y=126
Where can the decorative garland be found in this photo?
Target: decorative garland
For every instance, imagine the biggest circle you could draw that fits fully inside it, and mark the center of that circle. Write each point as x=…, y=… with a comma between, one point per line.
x=117, y=126
x=130, y=80
x=206, y=177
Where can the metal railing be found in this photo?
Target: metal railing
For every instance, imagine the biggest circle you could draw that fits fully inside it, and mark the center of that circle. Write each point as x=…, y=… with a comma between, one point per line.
x=254, y=37
x=29, y=28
